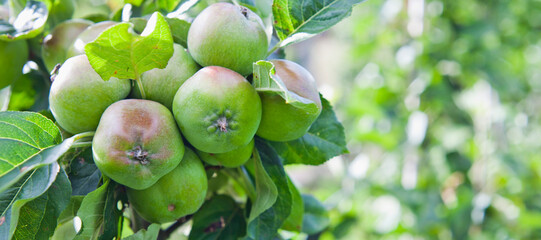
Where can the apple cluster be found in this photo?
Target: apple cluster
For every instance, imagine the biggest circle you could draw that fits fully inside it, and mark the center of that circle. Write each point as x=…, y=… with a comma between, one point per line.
x=199, y=110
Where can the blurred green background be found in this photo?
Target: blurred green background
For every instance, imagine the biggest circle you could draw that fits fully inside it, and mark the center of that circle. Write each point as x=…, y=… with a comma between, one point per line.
x=440, y=102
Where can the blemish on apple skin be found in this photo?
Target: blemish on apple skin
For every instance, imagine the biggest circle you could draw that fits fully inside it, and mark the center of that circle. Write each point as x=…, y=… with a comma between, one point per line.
x=244, y=11
x=171, y=207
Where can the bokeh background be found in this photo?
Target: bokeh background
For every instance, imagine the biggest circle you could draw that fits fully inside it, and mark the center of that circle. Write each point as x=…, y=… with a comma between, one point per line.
x=440, y=100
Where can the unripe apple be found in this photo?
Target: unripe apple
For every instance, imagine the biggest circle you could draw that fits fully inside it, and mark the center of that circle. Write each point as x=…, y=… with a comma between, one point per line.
x=14, y=56
x=217, y=110
x=179, y=193
x=56, y=45
x=78, y=95
x=230, y=159
x=281, y=121
x=137, y=143
x=161, y=85
x=229, y=36
x=88, y=35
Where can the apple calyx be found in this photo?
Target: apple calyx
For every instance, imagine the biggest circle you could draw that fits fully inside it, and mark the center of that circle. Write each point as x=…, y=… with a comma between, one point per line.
x=138, y=154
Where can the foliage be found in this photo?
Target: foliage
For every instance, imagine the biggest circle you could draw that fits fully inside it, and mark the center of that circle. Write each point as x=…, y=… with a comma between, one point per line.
x=440, y=99
x=48, y=180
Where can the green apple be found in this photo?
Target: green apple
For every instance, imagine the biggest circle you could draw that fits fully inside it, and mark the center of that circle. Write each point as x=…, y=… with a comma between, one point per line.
x=217, y=110
x=78, y=95
x=230, y=159
x=14, y=56
x=229, y=36
x=55, y=45
x=281, y=121
x=88, y=35
x=179, y=193
x=137, y=142
x=161, y=85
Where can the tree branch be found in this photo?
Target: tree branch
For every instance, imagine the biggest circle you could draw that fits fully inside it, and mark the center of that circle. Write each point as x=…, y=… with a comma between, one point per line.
x=164, y=234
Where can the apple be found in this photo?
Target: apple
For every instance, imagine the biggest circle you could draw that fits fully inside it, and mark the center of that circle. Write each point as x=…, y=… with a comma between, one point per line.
x=229, y=36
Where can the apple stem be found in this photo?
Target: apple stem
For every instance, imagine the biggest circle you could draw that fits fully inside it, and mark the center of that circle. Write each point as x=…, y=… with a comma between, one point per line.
x=77, y=142
x=81, y=144
x=140, y=85
x=273, y=49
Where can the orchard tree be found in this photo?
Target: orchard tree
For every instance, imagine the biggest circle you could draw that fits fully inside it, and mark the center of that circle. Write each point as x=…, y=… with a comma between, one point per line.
x=130, y=119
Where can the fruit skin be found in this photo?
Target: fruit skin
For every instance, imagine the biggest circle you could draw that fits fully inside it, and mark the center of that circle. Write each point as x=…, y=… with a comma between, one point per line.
x=284, y=122
x=230, y=159
x=177, y=194
x=55, y=45
x=88, y=35
x=78, y=95
x=137, y=143
x=14, y=56
x=228, y=36
x=217, y=110
x=161, y=85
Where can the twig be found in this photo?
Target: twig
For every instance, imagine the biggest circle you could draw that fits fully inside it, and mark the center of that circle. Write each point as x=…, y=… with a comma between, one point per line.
x=164, y=234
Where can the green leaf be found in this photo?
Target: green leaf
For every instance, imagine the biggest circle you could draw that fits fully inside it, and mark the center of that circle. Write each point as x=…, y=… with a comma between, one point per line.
x=119, y=52
x=265, y=80
x=111, y=214
x=61, y=10
x=296, y=20
x=26, y=139
x=71, y=210
x=136, y=3
x=84, y=175
x=266, y=192
x=37, y=219
x=45, y=157
x=179, y=30
x=168, y=5
x=139, y=24
x=91, y=212
x=23, y=94
x=294, y=220
x=31, y=186
x=97, y=211
x=267, y=224
x=28, y=24
x=151, y=233
x=325, y=139
x=315, y=218
x=219, y=218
